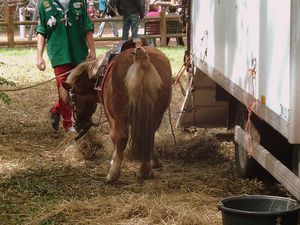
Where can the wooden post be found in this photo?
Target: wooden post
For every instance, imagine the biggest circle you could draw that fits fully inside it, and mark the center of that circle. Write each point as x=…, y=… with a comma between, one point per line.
x=22, y=28
x=34, y=18
x=163, y=29
x=10, y=27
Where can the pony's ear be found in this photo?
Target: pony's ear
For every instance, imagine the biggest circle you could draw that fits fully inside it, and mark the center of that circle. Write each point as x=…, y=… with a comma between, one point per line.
x=66, y=85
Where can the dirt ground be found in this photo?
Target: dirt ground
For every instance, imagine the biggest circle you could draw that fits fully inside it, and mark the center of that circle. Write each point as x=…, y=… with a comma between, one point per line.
x=48, y=178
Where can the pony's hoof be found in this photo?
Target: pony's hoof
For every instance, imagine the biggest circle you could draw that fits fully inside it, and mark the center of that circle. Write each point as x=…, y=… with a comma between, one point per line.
x=110, y=179
x=156, y=164
x=146, y=176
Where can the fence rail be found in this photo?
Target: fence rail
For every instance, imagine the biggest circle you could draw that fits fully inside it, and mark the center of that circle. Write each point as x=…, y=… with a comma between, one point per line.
x=10, y=23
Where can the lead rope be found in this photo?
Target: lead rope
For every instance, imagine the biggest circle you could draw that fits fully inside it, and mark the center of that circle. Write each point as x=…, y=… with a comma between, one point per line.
x=100, y=117
x=35, y=85
x=187, y=62
x=251, y=105
x=179, y=74
x=171, y=126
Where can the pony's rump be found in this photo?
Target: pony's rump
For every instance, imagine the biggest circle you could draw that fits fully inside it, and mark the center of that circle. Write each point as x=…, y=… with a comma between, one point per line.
x=143, y=84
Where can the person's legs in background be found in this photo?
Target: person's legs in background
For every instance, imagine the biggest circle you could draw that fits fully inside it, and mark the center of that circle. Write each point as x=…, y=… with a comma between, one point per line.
x=168, y=40
x=152, y=42
x=101, y=28
x=180, y=41
x=126, y=27
x=60, y=108
x=114, y=27
x=135, y=22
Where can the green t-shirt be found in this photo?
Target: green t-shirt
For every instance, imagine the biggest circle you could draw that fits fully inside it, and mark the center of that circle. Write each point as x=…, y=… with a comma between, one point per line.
x=65, y=30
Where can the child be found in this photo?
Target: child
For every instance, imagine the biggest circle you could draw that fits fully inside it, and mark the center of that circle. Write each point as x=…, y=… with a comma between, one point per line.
x=153, y=11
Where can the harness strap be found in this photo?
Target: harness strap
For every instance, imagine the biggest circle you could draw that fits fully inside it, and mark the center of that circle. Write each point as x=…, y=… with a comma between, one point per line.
x=102, y=79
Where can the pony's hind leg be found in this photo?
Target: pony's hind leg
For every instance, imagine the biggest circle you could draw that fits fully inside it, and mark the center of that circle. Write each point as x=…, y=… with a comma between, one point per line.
x=119, y=142
x=149, y=160
x=155, y=160
x=146, y=170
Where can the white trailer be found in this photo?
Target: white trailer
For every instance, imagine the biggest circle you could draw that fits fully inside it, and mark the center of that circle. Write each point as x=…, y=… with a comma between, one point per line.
x=246, y=71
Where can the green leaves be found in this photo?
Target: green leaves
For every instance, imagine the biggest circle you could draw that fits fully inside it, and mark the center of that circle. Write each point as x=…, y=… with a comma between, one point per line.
x=3, y=96
x=3, y=81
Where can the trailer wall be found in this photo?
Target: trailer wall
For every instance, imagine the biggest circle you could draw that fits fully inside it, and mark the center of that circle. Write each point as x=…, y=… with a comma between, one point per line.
x=251, y=49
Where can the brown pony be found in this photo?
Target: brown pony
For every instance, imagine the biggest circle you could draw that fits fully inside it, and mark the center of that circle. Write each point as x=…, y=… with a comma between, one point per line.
x=135, y=94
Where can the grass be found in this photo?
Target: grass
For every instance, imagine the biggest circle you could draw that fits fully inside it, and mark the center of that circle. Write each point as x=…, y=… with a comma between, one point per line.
x=23, y=62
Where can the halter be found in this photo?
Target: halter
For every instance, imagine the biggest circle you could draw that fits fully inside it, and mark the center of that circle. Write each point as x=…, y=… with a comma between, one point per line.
x=73, y=102
x=84, y=128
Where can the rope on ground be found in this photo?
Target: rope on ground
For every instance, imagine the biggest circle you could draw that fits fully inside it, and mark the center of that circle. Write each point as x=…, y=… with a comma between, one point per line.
x=35, y=85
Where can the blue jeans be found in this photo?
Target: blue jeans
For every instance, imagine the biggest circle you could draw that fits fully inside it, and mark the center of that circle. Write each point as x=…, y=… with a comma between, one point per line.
x=130, y=22
x=113, y=26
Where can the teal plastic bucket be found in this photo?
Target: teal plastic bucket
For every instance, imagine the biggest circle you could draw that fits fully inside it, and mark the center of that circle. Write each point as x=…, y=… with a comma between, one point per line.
x=259, y=210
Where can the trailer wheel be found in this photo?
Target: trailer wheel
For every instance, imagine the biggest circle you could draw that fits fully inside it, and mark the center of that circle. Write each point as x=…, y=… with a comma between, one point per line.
x=246, y=166
x=296, y=160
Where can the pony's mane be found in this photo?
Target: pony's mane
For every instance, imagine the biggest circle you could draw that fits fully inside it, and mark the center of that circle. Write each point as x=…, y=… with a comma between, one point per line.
x=72, y=78
x=76, y=72
x=90, y=66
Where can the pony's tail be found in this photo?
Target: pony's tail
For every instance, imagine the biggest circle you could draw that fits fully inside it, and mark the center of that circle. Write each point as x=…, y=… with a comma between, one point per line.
x=143, y=84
